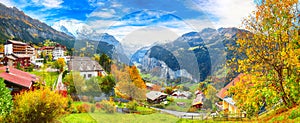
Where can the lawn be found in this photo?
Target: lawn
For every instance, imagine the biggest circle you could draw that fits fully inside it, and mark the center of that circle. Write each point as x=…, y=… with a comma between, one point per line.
x=173, y=105
x=49, y=77
x=102, y=117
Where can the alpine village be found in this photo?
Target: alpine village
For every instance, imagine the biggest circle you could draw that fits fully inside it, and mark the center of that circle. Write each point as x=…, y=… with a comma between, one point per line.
x=228, y=74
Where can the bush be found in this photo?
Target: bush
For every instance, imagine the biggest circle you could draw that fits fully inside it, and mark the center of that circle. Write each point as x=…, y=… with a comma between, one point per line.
x=192, y=109
x=132, y=105
x=81, y=109
x=108, y=106
x=93, y=108
x=84, y=98
x=294, y=114
x=86, y=107
x=98, y=105
x=159, y=105
x=41, y=105
x=5, y=100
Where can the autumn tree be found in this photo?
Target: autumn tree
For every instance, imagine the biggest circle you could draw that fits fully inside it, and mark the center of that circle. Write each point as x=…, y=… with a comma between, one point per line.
x=131, y=91
x=271, y=50
x=60, y=64
x=136, y=77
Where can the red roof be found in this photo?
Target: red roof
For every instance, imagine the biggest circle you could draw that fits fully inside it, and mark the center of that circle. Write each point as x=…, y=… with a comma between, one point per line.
x=47, y=48
x=18, y=77
x=224, y=91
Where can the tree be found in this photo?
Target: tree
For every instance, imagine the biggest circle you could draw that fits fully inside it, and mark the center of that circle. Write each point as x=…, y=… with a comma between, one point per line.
x=75, y=82
x=105, y=62
x=107, y=84
x=50, y=57
x=6, y=102
x=135, y=77
x=60, y=64
x=131, y=91
x=271, y=49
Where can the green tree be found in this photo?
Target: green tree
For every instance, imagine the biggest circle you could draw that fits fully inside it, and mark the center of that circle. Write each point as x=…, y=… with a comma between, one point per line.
x=105, y=62
x=75, y=83
x=107, y=83
x=6, y=102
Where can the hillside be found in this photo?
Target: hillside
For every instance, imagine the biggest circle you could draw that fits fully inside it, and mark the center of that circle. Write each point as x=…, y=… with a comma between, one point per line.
x=207, y=50
x=15, y=24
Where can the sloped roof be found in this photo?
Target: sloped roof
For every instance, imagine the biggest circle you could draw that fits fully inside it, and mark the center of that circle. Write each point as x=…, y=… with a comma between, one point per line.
x=224, y=91
x=82, y=64
x=152, y=95
x=16, y=42
x=198, y=100
x=18, y=77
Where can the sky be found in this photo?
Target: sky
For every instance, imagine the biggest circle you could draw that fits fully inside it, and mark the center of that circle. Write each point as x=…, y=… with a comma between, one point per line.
x=139, y=22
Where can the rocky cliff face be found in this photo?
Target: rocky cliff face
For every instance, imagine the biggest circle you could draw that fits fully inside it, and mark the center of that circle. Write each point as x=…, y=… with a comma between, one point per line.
x=194, y=55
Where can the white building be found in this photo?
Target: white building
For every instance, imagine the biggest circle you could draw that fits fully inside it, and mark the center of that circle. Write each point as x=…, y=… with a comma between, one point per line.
x=58, y=52
x=87, y=67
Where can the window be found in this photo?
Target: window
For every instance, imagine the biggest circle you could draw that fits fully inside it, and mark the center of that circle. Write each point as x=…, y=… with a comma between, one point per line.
x=84, y=76
x=89, y=75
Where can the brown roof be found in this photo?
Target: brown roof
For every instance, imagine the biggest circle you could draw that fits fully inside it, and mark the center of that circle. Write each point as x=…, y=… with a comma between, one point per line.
x=152, y=95
x=83, y=64
x=16, y=42
x=18, y=77
x=224, y=91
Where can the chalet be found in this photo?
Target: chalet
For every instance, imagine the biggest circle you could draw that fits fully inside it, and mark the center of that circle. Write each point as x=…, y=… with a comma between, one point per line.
x=17, y=80
x=149, y=86
x=182, y=94
x=86, y=66
x=14, y=59
x=156, y=97
x=198, y=101
x=227, y=103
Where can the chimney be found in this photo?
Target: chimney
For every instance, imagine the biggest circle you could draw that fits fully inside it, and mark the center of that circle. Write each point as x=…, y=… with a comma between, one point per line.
x=7, y=69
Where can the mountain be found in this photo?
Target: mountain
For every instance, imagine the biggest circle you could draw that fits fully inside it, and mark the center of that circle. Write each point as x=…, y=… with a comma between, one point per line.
x=15, y=24
x=207, y=51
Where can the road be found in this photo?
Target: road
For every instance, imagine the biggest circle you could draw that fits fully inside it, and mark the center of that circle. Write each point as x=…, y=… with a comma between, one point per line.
x=183, y=114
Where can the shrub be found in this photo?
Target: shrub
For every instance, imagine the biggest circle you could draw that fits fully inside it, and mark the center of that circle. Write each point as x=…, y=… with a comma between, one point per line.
x=5, y=100
x=41, y=105
x=108, y=106
x=192, y=109
x=81, y=109
x=93, y=108
x=294, y=114
x=132, y=105
x=86, y=107
x=98, y=105
x=84, y=98
x=159, y=105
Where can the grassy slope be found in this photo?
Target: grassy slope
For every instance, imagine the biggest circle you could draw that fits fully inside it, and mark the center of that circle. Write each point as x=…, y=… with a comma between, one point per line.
x=102, y=117
x=50, y=77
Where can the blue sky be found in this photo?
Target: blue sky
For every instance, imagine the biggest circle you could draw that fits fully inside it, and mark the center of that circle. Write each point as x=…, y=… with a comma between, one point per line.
x=166, y=18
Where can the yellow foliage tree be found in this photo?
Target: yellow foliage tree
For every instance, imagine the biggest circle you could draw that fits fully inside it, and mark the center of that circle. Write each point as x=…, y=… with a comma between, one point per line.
x=271, y=51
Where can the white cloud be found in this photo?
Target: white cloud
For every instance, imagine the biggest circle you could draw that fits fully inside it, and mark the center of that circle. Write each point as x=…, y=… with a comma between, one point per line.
x=230, y=13
x=104, y=13
x=8, y=3
x=48, y=4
